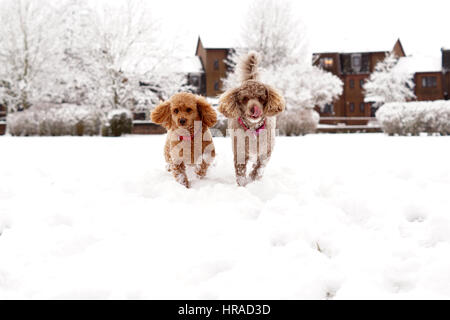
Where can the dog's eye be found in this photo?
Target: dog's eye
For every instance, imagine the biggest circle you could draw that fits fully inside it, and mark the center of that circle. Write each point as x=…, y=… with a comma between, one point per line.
x=176, y=111
x=188, y=110
x=245, y=100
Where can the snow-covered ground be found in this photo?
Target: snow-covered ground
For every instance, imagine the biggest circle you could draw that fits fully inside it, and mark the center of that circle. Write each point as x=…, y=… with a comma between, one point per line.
x=336, y=216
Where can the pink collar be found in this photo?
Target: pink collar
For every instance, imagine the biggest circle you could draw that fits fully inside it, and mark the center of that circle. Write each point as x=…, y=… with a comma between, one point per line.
x=257, y=131
x=188, y=138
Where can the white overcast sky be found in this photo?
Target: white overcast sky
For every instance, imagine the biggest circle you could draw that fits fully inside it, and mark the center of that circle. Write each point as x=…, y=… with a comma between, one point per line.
x=423, y=26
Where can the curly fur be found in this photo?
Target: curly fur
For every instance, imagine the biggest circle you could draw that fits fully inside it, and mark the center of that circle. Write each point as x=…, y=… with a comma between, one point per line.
x=191, y=108
x=161, y=115
x=248, y=67
x=237, y=104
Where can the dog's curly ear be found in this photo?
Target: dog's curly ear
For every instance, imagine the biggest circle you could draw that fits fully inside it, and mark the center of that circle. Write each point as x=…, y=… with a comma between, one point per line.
x=162, y=115
x=275, y=102
x=206, y=112
x=228, y=104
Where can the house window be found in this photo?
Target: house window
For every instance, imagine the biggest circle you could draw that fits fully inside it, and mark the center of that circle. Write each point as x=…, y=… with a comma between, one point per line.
x=352, y=84
x=217, y=85
x=329, y=108
x=326, y=63
x=216, y=64
x=429, y=82
x=352, y=107
x=356, y=62
x=361, y=83
x=362, y=107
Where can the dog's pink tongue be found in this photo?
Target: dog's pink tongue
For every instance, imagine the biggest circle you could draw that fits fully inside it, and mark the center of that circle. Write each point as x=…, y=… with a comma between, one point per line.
x=256, y=112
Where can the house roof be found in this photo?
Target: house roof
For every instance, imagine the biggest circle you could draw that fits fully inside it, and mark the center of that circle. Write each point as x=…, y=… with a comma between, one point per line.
x=216, y=42
x=350, y=44
x=421, y=63
x=191, y=65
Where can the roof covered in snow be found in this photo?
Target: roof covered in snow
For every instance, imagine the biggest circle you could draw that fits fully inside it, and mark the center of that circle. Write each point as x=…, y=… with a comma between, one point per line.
x=211, y=41
x=350, y=44
x=421, y=63
x=191, y=65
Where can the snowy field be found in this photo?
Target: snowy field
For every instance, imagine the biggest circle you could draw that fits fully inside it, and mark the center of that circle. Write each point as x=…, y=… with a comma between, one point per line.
x=336, y=217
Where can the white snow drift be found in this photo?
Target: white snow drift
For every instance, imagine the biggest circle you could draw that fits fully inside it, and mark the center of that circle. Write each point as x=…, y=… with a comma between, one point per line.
x=359, y=216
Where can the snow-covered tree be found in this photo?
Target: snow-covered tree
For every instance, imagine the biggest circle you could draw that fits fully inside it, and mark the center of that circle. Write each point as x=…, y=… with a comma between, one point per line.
x=271, y=29
x=124, y=51
x=388, y=83
x=28, y=50
x=85, y=53
x=304, y=86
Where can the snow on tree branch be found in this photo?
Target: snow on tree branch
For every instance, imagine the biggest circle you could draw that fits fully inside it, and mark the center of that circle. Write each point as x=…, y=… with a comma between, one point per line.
x=281, y=40
x=81, y=52
x=389, y=83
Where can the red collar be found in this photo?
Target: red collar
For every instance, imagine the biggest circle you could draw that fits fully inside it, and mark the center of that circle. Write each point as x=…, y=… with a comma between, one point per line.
x=188, y=138
x=257, y=131
x=183, y=138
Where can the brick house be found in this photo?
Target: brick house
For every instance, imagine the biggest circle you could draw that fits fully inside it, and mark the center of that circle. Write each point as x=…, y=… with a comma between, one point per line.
x=212, y=57
x=431, y=76
x=353, y=67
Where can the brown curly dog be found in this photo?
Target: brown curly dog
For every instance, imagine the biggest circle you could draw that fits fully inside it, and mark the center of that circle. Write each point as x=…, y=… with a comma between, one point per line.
x=251, y=110
x=187, y=118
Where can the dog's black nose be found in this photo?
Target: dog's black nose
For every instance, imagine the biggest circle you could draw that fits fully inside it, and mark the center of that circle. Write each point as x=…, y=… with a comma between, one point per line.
x=182, y=121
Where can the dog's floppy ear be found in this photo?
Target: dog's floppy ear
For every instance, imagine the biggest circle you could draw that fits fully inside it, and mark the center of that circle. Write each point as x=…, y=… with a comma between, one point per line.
x=275, y=102
x=162, y=115
x=207, y=113
x=228, y=104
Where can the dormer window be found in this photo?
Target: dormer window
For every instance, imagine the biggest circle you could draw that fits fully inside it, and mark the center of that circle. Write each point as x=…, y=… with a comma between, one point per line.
x=327, y=63
x=356, y=62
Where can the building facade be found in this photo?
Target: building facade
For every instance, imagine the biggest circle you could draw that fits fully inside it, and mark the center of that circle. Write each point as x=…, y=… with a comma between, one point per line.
x=353, y=68
x=429, y=86
x=432, y=82
x=215, y=69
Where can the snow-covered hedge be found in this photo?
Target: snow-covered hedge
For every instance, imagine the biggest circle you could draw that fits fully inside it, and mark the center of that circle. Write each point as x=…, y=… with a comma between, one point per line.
x=298, y=122
x=56, y=120
x=119, y=122
x=413, y=118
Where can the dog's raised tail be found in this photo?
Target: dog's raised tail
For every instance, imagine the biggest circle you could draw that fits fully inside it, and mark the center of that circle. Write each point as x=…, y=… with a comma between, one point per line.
x=248, y=66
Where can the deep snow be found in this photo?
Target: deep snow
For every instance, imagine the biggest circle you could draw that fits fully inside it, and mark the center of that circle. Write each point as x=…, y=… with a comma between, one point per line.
x=336, y=216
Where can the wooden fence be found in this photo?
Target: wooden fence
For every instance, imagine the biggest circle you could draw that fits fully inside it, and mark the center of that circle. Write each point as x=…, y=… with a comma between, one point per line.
x=147, y=127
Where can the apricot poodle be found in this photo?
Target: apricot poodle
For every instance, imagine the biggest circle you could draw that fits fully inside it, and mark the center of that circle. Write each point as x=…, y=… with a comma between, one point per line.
x=187, y=118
